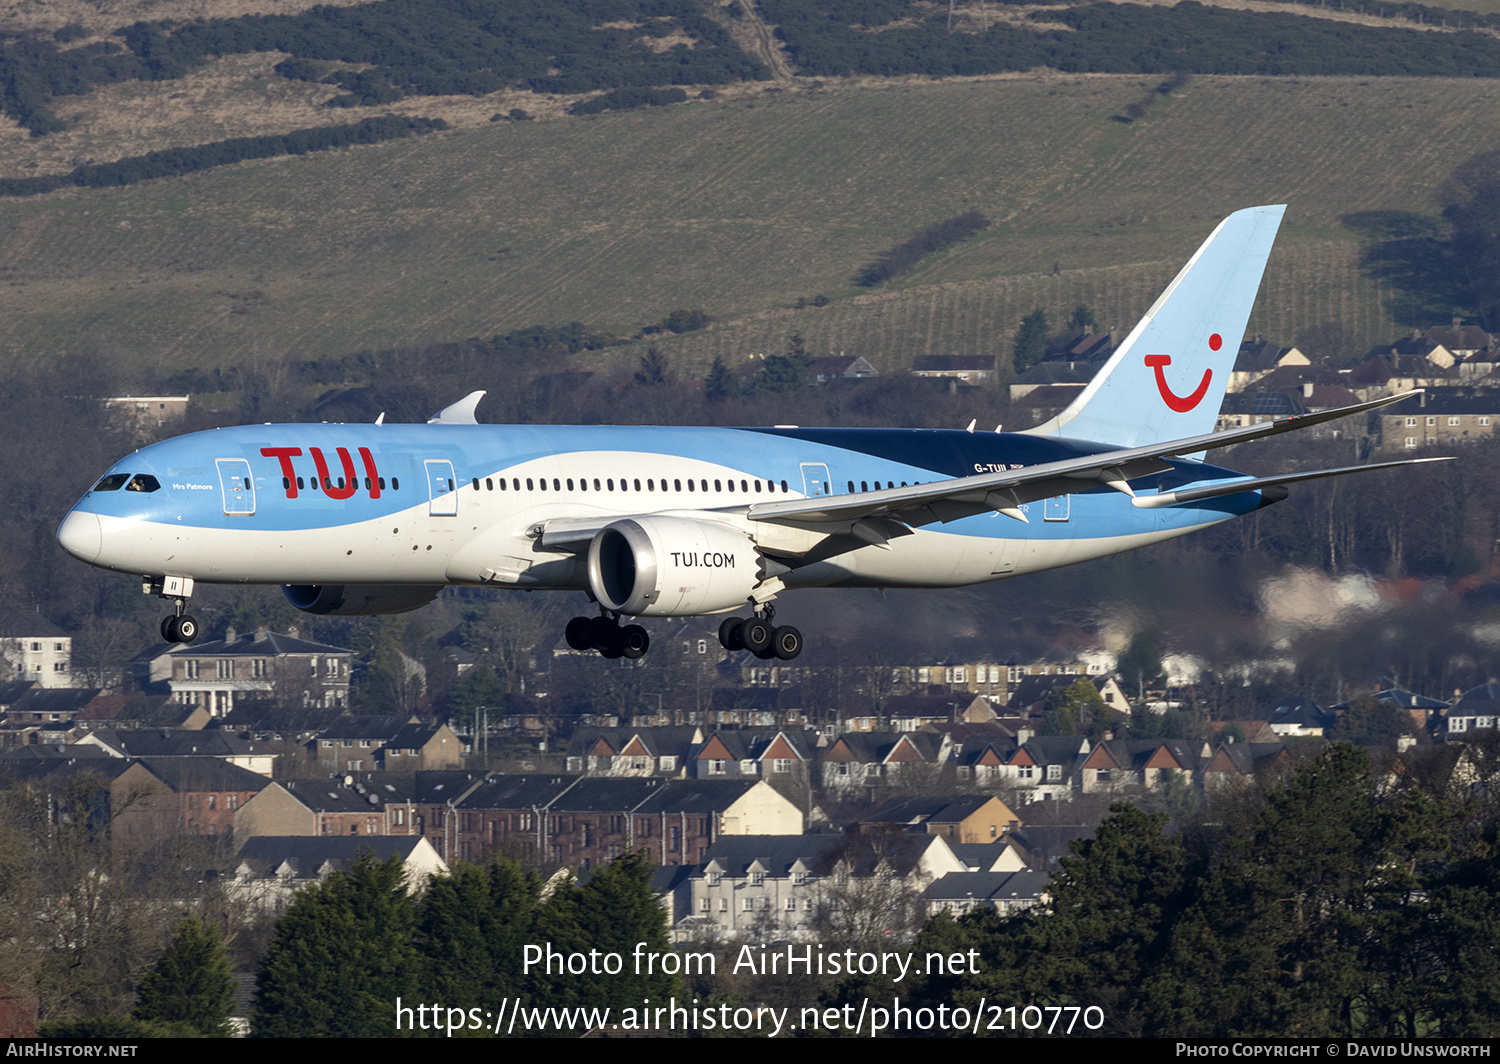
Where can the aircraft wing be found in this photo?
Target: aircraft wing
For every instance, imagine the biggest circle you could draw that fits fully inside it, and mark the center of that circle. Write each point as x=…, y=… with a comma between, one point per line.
x=1006, y=491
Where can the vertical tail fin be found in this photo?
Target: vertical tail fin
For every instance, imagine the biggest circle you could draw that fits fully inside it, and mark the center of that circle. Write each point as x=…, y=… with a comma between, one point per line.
x=1166, y=380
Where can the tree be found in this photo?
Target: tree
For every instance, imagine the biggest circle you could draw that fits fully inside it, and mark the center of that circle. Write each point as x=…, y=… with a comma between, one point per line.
x=655, y=369
x=477, y=690
x=612, y=912
x=1030, y=345
x=341, y=956
x=190, y=983
x=471, y=929
x=1083, y=318
x=1068, y=707
x=720, y=383
x=869, y=899
x=1370, y=722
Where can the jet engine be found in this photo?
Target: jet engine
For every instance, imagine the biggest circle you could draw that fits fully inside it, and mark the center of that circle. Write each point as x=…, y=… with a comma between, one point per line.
x=359, y=600
x=671, y=567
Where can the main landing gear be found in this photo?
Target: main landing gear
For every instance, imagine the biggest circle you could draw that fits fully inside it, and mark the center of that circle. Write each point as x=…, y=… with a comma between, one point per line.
x=178, y=627
x=604, y=634
x=759, y=636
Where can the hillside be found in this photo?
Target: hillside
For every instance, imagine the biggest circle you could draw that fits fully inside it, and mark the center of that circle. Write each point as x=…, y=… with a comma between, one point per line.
x=741, y=207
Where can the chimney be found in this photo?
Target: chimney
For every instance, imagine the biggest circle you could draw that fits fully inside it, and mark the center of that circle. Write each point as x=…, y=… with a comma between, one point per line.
x=229, y=634
x=262, y=633
x=1307, y=389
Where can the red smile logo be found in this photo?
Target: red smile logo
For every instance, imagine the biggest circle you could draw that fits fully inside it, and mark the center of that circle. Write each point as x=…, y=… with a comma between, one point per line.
x=1182, y=403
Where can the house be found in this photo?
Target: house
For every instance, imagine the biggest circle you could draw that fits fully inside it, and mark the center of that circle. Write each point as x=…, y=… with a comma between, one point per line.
x=166, y=797
x=47, y=715
x=958, y=893
x=1439, y=417
x=784, y=886
x=911, y=712
x=632, y=751
x=582, y=822
x=1235, y=764
x=145, y=414
x=967, y=818
x=970, y=371
x=270, y=869
x=731, y=754
x=1003, y=855
x=313, y=807
x=1299, y=716
x=1117, y=765
x=181, y=742
x=265, y=665
x=868, y=759
x=421, y=746
x=1475, y=713
x=353, y=743
x=1041, y=769
x=839, y=367
x=1069, y=377
x=1029, y=695
x=35, y=649
x=1257, y=358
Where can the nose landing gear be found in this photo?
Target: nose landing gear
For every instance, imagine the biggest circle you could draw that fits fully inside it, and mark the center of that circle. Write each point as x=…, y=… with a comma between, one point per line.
x=178, y=627
x=760, y=636
x=604, y=634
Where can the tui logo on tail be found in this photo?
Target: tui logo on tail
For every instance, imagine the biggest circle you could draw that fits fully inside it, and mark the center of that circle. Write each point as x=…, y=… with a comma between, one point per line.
x=1182, y=403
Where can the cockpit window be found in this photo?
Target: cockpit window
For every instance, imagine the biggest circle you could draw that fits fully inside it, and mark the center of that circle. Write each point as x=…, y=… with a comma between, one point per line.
x=113, y=482
x=143, y=482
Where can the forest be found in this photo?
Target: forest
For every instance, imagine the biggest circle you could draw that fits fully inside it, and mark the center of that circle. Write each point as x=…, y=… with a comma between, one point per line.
x=388, y=49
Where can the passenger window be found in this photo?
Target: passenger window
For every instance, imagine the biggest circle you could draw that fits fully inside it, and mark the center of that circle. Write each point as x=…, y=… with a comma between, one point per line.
x=395, y=483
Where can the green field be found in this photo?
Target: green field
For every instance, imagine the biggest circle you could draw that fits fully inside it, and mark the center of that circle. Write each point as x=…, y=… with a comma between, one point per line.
x=740, y=208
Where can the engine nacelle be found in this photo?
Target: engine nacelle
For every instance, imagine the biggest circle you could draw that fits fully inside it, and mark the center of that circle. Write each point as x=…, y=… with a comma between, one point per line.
x=671, y=567
x=359, y=600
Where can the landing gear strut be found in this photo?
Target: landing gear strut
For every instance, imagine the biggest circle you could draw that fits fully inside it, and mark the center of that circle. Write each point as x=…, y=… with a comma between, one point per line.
x=178, y=627
x=604, y=634
x=760, y=636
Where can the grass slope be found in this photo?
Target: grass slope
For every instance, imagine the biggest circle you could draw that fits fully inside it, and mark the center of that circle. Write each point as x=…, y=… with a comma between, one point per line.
x=740, y=208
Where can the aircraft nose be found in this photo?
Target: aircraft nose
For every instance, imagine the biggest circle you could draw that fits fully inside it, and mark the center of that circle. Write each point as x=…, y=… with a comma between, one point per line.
x=80, y=534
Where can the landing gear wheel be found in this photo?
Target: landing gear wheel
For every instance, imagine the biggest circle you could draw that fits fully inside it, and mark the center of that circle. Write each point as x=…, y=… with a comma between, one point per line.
x=729, y=634
x=577, y=633
x=634, y=641
x=180, y=629
x=756, y=635
x=601, y=633
x=786, y=641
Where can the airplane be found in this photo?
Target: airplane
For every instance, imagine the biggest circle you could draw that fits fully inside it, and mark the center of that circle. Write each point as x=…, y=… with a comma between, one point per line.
x=671, y=521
